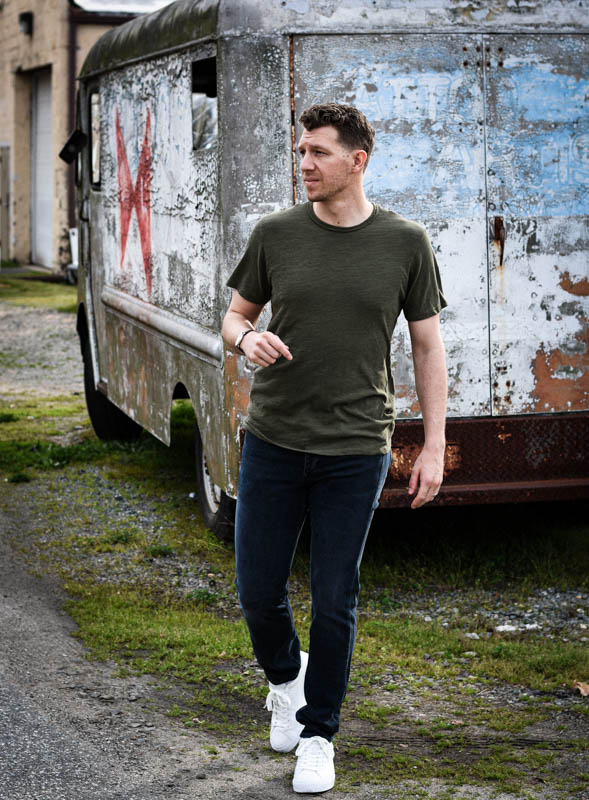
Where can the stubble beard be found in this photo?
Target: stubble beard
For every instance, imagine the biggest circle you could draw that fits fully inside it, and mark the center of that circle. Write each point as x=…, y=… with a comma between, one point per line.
x=326, y=193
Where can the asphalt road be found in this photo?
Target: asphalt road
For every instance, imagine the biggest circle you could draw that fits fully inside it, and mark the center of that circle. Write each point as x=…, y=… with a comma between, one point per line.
x=69, y=729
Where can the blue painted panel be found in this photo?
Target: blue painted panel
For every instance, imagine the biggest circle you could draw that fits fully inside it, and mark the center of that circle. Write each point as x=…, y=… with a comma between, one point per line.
x=538, y=126
x=423, y=95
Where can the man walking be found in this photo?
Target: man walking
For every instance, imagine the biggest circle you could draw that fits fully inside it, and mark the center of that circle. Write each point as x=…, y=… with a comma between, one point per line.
x=338, y=270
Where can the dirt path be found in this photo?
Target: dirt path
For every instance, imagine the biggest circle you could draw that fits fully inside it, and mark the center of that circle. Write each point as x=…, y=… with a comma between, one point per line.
x=70, y=728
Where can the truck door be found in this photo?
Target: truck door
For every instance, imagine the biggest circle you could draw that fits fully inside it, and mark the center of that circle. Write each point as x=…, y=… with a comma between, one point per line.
x=424, y=96
x=537, y=185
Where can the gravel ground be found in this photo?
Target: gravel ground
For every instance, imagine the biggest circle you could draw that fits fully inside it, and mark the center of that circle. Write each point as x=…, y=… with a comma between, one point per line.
x=71, y=728
x=39, y=352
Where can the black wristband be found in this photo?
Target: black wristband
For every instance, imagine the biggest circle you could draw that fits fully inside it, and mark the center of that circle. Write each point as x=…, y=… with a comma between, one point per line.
x=245, y=333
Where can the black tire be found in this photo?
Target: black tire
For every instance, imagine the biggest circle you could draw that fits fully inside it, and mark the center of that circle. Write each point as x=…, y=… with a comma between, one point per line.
x=108, y=421
x=217, y=508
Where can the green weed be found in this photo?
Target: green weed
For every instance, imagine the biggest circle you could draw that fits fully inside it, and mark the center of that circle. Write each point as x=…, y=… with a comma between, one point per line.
x=19, y=477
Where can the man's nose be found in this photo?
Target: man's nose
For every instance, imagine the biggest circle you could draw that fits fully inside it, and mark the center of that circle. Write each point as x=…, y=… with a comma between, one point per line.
x=307, y=163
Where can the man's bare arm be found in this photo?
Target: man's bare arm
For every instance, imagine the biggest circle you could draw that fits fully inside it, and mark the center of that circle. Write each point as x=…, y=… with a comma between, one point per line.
x=262, y=348
x=429, y=361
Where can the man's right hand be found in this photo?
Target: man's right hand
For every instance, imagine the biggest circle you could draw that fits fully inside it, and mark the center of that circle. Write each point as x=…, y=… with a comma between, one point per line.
x=264, y=348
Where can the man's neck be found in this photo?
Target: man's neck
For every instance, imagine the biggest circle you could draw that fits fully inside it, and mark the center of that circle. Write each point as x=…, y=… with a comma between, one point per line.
x=344, y=213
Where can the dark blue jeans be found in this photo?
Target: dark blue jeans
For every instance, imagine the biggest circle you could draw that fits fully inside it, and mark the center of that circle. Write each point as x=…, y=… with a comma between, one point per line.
x=277, y=489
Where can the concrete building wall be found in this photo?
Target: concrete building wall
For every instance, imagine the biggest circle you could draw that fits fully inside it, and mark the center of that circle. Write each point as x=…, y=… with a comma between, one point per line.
x=20, y=56
x=86, y=35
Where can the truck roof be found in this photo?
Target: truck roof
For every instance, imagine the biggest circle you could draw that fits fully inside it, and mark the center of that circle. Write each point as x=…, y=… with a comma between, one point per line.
x=191, y=21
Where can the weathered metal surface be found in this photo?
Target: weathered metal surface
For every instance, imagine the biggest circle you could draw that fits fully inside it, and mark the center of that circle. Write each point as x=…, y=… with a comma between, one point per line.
x=538, y=183
x=154, y=252
x=168, y=223
x=175, y=25
x=144, y=368
x=238, y=379
x=512, y=459
x=170, y=326
x=424, y=97
x=255, y=179
x=445, y=113
x=194, y=20
x=159, y=197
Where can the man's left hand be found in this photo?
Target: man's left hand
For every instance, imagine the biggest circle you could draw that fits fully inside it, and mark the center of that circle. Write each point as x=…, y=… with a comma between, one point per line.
x=427, y=474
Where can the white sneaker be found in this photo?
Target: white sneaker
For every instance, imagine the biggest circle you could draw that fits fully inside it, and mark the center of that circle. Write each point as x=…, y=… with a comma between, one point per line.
x=284, y=700
x=314, y=771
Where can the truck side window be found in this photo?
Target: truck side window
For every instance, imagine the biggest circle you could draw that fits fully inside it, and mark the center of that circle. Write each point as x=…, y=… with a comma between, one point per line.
x=204, y=104
x=95, y=139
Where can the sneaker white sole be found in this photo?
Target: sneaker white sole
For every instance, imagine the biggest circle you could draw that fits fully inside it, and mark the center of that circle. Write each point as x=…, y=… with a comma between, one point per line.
x=312, y=787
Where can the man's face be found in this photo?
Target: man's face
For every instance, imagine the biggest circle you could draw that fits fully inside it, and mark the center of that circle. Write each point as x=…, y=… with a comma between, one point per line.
x=327, y=165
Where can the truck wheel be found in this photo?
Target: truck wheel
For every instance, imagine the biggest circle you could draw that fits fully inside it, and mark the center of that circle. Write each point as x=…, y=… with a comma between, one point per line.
x=108, y=421
x=217, y=508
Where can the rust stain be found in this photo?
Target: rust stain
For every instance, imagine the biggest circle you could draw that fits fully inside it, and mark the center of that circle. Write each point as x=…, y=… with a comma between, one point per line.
x=499, y=237
x=404, y=458
x=142, y=389
x=293, y=123
x=579, y=288
x=406, y=391
x=552, y=393
x=237, y=390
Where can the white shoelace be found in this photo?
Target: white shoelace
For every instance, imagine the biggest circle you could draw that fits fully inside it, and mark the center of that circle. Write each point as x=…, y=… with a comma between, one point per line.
x=313, y=753
x=279, y=704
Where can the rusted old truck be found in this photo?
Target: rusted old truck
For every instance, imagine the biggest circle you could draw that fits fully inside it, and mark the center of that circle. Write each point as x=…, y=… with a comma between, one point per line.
x=187, y=137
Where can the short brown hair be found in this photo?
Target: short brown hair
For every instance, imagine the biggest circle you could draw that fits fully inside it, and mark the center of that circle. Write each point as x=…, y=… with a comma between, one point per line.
x=352, y=126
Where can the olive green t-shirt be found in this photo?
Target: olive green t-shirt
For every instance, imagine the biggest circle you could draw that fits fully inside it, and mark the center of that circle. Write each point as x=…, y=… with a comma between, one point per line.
x=336, y=294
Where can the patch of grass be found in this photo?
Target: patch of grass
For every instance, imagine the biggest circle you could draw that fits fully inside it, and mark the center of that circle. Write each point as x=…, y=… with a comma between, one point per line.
x=451, y=762
x=18, y=456
x=202, y=597
x=376, y=713
x=39, y=291
x=122, y=537
x=521, y=546
x=154, y=634
x=528, y=659
x=18, y=477
x=112, y=542
x=159, y=550
x=28, y=420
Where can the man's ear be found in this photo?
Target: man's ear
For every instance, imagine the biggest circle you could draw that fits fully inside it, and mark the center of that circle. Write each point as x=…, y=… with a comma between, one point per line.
x=360, y=158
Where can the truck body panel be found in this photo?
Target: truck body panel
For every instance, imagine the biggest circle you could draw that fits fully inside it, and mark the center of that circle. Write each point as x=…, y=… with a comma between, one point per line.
x=481, y=135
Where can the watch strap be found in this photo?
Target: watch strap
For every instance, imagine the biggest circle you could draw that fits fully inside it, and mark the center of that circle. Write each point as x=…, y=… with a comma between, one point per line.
x=241, y=337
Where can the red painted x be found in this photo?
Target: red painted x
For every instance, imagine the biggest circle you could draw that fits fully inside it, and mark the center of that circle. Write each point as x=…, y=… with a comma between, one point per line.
x=136, y=197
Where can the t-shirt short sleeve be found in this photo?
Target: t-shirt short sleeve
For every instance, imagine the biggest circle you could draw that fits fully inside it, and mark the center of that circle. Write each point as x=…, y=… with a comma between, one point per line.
x=250, y=276
x=424, y=297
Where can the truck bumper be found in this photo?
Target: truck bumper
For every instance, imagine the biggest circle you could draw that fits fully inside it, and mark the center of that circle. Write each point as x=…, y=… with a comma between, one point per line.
x=499, y=460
